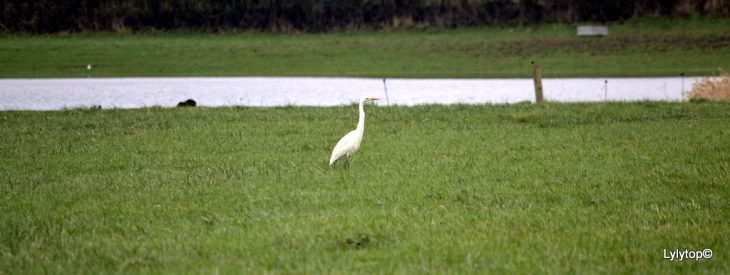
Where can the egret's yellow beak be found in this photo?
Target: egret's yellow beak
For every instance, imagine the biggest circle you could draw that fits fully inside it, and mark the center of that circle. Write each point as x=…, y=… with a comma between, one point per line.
x=373, y=98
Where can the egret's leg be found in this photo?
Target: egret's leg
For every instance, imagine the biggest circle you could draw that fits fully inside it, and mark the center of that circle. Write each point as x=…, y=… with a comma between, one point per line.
x=347, y=162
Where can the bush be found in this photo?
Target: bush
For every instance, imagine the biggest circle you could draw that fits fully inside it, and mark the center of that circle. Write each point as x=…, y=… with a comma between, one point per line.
x=48, y=16
x=710, y=88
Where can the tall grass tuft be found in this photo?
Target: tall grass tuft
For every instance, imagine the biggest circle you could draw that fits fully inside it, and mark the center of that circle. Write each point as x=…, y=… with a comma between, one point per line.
x=713, y=89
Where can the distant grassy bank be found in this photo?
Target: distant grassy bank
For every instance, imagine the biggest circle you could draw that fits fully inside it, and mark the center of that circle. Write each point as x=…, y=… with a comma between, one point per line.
x=643, y=47
x=463, y=189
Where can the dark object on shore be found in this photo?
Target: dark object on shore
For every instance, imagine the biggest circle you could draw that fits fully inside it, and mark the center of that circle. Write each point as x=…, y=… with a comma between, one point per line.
x=187, y=103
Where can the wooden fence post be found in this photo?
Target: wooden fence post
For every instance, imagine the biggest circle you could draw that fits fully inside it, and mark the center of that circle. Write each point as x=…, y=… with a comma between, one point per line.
x=537, y=78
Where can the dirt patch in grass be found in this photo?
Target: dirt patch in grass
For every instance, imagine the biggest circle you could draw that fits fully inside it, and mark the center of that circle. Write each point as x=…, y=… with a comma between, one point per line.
x=612, y=45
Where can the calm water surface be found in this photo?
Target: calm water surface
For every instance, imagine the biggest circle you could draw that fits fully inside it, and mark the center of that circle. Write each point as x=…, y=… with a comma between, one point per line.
x=54, y=94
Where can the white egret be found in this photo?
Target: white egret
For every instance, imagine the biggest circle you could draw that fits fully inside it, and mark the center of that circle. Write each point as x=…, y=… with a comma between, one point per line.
x=348, y=145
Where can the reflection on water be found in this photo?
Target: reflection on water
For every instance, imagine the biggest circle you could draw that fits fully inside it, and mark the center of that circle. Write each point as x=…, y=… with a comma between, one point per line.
x=52, y=94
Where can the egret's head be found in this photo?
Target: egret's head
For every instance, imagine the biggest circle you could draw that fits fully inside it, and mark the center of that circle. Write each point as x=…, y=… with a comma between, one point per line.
x=370, y=99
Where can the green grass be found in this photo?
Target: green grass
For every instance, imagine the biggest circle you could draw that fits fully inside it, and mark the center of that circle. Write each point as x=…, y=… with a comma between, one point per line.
x=513, y=189
x=644, y=47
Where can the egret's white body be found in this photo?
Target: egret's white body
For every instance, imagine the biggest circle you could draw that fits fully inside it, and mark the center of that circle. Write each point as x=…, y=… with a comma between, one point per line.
x=350, y=143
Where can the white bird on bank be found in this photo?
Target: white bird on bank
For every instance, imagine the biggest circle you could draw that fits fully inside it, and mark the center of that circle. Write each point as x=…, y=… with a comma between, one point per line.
x=348, y=145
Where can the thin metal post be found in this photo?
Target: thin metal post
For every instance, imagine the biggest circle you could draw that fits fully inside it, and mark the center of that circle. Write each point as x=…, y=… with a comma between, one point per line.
x=386, y=92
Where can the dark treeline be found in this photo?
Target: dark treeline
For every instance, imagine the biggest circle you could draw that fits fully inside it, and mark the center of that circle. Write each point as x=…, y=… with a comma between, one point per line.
x=48, y=16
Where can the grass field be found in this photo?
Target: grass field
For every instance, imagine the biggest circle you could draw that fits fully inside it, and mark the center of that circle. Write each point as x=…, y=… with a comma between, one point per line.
x=642, y=47
x=516, y=189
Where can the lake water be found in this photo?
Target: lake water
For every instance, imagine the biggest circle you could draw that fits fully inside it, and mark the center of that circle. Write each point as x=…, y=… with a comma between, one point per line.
x=54, y=94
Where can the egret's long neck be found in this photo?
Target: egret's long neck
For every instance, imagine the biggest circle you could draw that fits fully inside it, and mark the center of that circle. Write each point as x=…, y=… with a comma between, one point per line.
x=361, y=123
